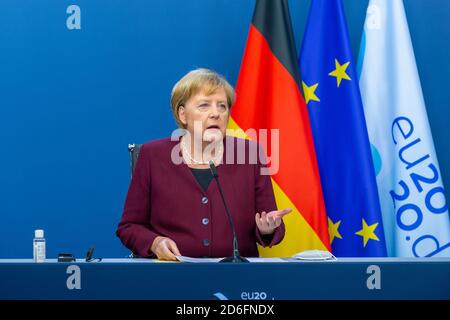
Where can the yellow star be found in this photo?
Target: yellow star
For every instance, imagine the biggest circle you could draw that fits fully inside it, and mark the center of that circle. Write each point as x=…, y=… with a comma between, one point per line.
x=368, y=232
x=309, y=92
x=339, y=72
x=333, y=230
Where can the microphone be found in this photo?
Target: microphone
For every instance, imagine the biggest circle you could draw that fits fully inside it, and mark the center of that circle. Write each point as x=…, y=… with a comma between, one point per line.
x=236, y=256
x=90, y=254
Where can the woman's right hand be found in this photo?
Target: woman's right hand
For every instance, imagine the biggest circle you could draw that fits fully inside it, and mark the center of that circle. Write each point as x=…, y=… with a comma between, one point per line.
x=165, y=249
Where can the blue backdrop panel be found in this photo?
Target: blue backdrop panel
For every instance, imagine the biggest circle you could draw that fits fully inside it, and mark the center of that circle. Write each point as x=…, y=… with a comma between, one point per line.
x=72, y=99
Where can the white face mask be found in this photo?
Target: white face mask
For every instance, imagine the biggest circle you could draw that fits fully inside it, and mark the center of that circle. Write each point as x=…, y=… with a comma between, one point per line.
x=314, y=255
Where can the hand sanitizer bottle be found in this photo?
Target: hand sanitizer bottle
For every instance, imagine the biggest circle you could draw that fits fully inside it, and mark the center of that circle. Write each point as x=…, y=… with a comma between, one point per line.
x=39, y=246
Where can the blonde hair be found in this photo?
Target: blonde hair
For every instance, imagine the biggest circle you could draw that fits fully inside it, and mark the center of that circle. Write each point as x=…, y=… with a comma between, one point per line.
x=195, y=81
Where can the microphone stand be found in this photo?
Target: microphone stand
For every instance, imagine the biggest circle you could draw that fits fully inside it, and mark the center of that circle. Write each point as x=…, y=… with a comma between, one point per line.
x=236, y=257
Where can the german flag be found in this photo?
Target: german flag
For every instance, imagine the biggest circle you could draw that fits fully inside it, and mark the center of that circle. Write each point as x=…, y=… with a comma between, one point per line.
x=268, y=97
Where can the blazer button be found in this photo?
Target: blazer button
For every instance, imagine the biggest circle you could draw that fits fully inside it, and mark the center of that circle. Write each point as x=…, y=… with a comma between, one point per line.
x=205, y=221
x=206, y=242
x=204, y=200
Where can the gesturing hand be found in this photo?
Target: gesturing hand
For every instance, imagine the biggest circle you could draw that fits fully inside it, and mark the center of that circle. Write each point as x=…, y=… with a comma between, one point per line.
x=268, y=222
x=165, y=248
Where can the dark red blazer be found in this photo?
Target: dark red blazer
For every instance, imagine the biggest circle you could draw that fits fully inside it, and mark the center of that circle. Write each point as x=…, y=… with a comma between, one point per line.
x=165, y=199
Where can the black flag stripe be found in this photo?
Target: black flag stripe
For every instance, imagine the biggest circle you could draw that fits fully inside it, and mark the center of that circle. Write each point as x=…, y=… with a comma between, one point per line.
x=273, y=20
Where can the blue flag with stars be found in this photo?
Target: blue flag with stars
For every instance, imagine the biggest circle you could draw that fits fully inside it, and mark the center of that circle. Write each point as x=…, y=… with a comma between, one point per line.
x=331, y=90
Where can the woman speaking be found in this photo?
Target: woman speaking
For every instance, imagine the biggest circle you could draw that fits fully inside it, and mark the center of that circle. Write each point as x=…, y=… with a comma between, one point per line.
x=173, y=206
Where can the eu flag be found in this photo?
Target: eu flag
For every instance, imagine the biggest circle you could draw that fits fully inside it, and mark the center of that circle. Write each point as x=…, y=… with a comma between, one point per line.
x=331, y=91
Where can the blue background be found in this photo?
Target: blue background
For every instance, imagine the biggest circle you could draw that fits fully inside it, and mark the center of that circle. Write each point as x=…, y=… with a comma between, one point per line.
x=72, y=100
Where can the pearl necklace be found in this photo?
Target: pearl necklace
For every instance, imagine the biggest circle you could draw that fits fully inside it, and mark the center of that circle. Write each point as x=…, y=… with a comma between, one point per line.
x=216, y=159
